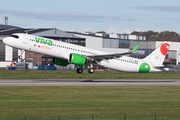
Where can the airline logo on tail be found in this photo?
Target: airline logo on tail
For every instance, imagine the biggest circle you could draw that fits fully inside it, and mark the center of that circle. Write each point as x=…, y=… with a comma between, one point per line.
x=164, y=48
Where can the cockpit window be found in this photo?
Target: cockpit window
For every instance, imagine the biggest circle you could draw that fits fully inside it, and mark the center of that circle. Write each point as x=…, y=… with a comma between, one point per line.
x=14, y=36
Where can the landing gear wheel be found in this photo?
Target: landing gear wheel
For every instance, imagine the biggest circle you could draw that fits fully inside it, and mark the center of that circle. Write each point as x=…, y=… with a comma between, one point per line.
x=79, y=70
x=20, y=56
x=91, y=70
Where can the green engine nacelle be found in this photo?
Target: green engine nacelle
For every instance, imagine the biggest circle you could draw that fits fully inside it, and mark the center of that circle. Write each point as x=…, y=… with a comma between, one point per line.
x=60, y=62
x=77, y=59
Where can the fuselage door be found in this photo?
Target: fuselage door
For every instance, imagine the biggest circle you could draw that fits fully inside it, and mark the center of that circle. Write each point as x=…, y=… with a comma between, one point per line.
x=25, y=41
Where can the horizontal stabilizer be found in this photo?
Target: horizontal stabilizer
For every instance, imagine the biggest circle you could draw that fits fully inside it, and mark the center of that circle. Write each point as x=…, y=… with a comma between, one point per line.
x=159, y=66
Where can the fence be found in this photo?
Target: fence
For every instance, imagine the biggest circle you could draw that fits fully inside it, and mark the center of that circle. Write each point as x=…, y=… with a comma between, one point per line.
x=97, y=117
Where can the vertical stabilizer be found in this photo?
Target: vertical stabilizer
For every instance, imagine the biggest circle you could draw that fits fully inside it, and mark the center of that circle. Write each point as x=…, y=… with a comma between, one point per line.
x=158, y=55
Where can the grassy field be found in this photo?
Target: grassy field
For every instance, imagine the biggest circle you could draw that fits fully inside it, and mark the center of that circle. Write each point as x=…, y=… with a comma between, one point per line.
x=48, y=101
x=28, y=74
x=87, y=101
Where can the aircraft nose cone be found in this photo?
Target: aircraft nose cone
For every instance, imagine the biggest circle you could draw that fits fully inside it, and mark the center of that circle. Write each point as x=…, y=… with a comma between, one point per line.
x=5, y=40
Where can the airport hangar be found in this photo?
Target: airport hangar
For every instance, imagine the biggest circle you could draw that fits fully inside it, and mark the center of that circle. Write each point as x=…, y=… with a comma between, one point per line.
x=116, y=43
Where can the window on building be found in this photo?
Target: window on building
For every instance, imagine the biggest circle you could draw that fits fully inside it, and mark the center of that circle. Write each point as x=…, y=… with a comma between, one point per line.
x=2, y=51
x=30, y=53
x=15, y=54
x=124, y=43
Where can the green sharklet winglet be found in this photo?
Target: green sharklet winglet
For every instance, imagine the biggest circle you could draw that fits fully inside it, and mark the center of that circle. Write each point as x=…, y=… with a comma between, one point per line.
x=135, y=49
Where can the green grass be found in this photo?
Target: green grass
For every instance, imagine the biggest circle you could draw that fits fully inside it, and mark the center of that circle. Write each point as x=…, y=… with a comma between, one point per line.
x=87, y=101
x=83, y=100
x=5, y=74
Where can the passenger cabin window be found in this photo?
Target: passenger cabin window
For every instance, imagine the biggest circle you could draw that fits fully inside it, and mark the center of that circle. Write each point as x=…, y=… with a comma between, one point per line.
x=14, y=36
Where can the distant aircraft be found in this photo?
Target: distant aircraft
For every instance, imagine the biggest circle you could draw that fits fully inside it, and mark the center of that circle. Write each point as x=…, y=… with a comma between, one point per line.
x=66, y=53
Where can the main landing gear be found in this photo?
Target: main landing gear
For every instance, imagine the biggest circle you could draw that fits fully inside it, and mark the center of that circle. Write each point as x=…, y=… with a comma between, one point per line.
x=80, y=70
x=91, y=70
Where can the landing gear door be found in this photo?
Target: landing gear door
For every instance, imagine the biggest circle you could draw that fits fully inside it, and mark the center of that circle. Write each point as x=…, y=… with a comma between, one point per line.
x=25, y=41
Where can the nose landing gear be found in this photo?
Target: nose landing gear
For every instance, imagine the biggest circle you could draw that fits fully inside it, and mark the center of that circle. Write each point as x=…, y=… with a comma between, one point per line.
x=20, y=56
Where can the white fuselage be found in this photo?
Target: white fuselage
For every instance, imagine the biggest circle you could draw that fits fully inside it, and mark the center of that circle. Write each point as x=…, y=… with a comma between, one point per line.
x=62, y=50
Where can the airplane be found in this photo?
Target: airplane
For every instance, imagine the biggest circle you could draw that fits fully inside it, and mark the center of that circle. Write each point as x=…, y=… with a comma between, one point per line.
x=66, y=53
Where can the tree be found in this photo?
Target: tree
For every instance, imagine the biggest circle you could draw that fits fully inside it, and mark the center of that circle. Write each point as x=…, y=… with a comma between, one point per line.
x=162, y=36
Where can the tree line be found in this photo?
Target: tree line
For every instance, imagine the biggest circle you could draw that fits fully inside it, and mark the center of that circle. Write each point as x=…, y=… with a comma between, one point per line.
x=159, y=36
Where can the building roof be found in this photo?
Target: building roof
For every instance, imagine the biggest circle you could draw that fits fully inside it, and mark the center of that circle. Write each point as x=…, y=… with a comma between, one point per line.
x=7, y=26
x=6, y=30
x=45, y=32
x=32, y=31
x=20, y=30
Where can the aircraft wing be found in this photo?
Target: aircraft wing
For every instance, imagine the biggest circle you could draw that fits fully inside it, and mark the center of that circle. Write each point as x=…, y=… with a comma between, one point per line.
x=111, y=56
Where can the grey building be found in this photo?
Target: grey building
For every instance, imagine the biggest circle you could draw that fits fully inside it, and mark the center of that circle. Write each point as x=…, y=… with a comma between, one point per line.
x=118, y=43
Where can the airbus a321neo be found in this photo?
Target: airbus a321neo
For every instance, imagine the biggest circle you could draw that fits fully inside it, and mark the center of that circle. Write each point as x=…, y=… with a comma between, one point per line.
x=66, y=53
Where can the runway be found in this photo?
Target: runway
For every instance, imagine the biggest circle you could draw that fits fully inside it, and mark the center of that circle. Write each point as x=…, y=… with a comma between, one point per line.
x=90, y=82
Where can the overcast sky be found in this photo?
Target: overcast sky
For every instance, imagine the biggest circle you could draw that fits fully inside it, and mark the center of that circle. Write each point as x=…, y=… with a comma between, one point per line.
x=111, y=16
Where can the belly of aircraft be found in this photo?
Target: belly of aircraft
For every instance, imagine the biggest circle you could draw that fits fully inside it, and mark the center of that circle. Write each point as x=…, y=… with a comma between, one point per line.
x=121, y=65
